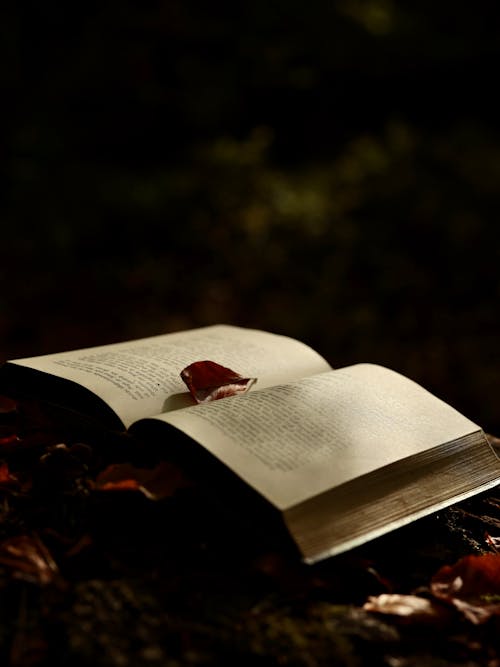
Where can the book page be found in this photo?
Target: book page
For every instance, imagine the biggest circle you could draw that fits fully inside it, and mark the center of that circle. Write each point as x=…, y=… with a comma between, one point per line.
x=291, y=442
x=365, y=508
x=142, y=377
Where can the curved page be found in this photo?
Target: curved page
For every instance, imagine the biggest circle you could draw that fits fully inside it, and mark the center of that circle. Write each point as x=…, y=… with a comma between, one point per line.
x=142, y=377
x=291, y=442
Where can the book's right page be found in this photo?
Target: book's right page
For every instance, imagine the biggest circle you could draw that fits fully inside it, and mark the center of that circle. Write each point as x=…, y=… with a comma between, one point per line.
x=293, y=441
x=374, y=504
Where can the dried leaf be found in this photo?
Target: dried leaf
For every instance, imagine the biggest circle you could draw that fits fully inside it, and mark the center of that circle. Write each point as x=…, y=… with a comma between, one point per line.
x=29, y=559
x=122, y=485
x=155, y=483
x=494, y=542
x=472, y=585
x=83, y=543
x=8, y=406
x=408, y=607
x=8, y=441
x=6, y=479
x=209, y=381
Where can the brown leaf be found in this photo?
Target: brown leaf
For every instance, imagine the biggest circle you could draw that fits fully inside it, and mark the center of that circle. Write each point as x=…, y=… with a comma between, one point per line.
x=5, y=476
x=408, y=607
x=493, y=542
x=122, y=485
x=472, y=585
x=209, y=381
x=29, y=559
x=155, y=483
x=8, y=406
x=9, y=441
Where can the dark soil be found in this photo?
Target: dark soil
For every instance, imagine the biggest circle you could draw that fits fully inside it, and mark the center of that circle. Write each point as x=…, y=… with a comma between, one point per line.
x=112, y=578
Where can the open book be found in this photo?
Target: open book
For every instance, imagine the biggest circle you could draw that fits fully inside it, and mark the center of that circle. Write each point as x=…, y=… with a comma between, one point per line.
x=345, y=455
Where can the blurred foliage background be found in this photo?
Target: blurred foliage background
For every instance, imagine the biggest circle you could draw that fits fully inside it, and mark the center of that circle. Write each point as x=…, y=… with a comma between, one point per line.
x=329, y=170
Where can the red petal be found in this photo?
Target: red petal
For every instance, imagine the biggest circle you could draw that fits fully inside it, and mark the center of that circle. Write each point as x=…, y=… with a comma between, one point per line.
x=208, y=381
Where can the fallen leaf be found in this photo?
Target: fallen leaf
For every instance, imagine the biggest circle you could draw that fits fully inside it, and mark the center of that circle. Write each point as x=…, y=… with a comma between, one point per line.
x=8, y=406
x=494, y=542
x=29, y=559
x=472, y=585
x=408, y=607
x=122, y=485
x=7, y=441
x=209, y=381
x=79, y=546
x=5, y=476
x=155, y=483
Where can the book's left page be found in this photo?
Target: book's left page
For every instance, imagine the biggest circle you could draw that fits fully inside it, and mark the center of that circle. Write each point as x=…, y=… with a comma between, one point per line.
x=140, y=378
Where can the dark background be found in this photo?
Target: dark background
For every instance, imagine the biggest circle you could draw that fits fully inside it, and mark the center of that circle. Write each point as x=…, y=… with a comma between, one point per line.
x=324, y=169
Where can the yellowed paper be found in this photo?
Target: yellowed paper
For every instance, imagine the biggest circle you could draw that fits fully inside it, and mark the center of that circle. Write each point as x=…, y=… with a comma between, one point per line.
x=294, y=441
x=142, y=377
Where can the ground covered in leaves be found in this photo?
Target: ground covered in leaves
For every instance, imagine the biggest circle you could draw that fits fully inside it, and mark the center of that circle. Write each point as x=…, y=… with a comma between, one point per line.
x=111, y=556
